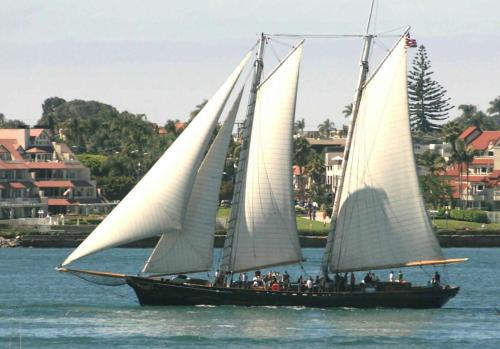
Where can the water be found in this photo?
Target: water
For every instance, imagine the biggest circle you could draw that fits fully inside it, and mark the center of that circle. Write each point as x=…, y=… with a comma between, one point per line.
x=41, y=308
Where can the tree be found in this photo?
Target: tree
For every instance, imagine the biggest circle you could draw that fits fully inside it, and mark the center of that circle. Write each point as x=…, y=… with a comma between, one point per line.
x=49, y=107
x=433, y=162
x=94, y=162
x=463, y=155
x=299, y=126
x=473, y=117
x=347, y=110
x=315, y=168
x=13, y=123
x=198, y=108
x=427, y=102
x=301, y=153
x=436, y=191
x=494, y=109
x=451, y=131
x=326, y=127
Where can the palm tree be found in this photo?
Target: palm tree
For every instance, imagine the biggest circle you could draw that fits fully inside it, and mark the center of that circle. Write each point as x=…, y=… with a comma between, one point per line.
x=451, y=131
x=198, y=108
x=347, y=110
x=495, y=107
x=463, y=155
x=473, y=117
x=315, y=168
x=433, y=162
x=299, y=126
x=326, y=127
x=302, y=151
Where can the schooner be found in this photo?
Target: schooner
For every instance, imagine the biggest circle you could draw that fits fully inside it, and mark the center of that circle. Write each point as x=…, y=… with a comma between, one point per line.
x=379, y=218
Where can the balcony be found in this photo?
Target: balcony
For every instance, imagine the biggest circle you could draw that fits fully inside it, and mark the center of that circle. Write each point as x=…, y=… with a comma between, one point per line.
x=477, y=196
x=23, y=202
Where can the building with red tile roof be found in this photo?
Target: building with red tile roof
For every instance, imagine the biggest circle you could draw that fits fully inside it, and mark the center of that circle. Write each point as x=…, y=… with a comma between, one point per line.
x=479, y=185
x=38, y=175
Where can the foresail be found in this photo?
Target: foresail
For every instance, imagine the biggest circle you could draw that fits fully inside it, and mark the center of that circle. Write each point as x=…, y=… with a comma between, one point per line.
x=266, y=231
x=382, y=222
x=158, y=202
x=191, y=248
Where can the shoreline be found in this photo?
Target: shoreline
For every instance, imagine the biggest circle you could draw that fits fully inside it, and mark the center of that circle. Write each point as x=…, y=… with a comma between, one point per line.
x=73, y=239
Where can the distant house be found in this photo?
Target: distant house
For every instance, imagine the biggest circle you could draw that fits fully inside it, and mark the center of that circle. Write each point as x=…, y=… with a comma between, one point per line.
x=327, y=145
x=481, y=188
x=39, y=175
x=333, y=168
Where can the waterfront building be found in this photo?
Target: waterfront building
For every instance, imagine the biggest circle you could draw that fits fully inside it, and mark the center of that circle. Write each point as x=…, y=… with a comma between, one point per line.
x=478, y=184
x=40, y=176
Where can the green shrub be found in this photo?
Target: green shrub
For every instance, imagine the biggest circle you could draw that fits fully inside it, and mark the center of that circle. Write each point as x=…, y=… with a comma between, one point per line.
x=477, y=216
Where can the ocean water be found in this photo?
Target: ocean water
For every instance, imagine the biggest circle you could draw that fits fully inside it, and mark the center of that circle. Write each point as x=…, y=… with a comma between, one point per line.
x=41, y=308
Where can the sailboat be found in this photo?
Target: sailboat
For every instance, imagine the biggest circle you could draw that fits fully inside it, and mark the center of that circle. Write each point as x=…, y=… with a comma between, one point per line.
x=379, y=219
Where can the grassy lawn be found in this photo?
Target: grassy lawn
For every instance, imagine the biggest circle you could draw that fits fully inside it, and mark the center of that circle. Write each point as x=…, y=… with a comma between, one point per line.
x=304, y=225
x=460, y=225
x=223, y=212
x=307, y=227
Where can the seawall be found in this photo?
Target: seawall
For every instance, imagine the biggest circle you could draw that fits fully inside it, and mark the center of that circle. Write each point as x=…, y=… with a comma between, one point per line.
x=72, y=240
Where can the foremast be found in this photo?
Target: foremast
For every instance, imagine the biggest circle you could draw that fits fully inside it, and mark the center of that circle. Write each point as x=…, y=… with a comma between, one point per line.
x=363, y=72
x=239, y=184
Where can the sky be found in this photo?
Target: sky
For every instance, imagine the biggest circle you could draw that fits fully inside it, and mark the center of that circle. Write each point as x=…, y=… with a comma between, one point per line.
x=162, y=58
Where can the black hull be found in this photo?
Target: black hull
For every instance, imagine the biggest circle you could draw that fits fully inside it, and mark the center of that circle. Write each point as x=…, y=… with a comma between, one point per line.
x=158, y=292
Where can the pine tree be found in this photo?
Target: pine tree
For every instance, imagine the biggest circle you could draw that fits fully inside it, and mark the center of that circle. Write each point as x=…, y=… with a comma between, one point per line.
x=427, y=102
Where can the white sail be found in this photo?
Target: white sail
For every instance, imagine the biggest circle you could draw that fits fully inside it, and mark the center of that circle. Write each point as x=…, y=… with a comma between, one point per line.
x=191, y=248
x=266, y=231
x=157, y=204
x=382, y=221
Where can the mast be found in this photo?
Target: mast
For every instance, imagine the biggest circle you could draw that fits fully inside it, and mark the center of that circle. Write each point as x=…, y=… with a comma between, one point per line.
x=239, y=185
x=357, y=99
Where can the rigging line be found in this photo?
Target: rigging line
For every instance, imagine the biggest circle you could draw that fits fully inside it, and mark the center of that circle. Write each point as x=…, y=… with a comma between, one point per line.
x=382, y=46
x=288, y=45
x=392, y=30
x=375, y=19
x=274, y=52
x=317, y=36
x=101, y=287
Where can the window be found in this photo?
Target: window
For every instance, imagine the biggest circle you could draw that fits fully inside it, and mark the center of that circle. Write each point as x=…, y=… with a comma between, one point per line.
x=478, y=188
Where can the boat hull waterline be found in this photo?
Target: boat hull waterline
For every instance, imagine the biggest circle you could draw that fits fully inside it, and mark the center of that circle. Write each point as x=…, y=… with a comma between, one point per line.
x=163, y=292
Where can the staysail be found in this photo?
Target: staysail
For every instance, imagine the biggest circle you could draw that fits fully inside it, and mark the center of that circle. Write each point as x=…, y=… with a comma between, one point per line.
x=191, y=248
x=382, y=221
x=157, y=204
x=266, y=230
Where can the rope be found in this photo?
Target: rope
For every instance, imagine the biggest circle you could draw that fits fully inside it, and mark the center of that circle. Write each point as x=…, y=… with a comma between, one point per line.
x=101, y=287
x=286, y=44
x=274, y=52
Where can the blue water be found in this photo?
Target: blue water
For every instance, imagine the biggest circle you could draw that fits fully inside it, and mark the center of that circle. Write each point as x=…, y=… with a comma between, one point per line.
x=41, y=308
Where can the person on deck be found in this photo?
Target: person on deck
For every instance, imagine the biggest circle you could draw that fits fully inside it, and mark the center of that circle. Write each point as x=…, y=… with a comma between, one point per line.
x=391, y=276
x=353, y=281
x=309, y=284
x=437, y=278
x=400, y=277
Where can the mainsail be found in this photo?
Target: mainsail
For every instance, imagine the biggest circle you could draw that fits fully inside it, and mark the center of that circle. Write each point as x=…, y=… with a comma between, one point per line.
x=157, y=204
x=191, y=248
x=382, y=221
x=266, y=231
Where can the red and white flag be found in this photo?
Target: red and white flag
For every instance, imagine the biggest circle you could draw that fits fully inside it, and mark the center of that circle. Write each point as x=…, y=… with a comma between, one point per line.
x=409, y=42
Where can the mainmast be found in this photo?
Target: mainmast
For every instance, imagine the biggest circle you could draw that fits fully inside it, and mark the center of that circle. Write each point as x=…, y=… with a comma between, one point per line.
x=239, y=185
x=357, y=99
